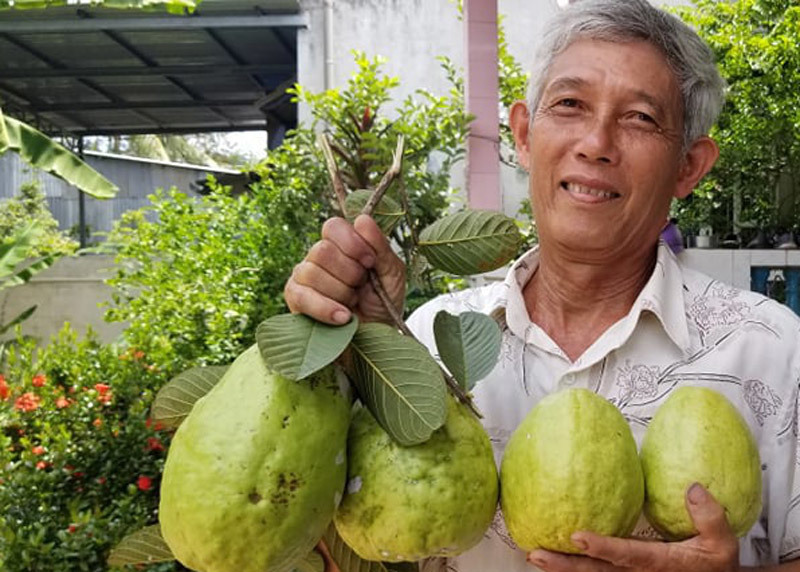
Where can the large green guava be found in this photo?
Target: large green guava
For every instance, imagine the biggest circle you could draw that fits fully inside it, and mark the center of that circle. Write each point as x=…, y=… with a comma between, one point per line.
x=698, y=436
x=410, y=503
x=255, y=472
x=571, y=465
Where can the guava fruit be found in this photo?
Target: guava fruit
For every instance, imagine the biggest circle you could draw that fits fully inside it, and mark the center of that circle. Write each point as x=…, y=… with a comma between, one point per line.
x=571, y=465
x=698, y=436
x=255, y=472
x=410, y=503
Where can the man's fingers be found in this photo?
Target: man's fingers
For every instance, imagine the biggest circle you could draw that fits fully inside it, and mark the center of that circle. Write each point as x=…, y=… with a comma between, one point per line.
x=326, y=254
x=622, y=552
x=309, y=301
x=556, y=562
x=349, y=241
x=370, y=232
x=707, y=514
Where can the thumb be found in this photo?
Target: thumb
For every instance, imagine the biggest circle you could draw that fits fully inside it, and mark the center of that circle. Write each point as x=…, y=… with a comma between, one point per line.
x=707, y=514
x=385, y=258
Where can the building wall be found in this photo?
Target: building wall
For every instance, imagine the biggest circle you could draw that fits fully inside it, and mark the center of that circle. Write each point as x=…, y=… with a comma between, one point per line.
x=136, y=179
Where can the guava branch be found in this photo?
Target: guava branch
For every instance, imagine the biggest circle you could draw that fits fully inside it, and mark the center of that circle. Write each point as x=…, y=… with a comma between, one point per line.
x=395, y=170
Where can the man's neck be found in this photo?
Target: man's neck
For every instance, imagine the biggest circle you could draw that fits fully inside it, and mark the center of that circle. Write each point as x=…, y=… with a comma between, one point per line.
x=575, y=302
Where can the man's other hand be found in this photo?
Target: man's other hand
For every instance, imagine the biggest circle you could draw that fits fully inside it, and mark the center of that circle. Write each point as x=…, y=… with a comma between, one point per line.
x=332, y=280
x=714, y=549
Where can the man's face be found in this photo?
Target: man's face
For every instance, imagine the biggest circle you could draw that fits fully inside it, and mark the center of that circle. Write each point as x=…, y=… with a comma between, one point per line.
x=605, y=150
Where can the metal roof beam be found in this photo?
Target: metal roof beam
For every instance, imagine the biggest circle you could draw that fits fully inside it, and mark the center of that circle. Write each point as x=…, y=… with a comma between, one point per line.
x=138, y=105
x=224, y=70
x=66, y=25
x=177, y=129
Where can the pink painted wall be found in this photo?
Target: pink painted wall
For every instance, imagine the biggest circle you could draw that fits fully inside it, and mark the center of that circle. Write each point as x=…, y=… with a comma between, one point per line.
x=483, y=158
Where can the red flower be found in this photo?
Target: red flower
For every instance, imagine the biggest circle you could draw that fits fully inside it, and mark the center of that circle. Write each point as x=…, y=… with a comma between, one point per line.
x=153, y=444
x=101, y=480
x=27, y=402
x=62, y=402
x=42, y=465
x=38, y=450
x=157, y=426
x=144, y=483
x=4, y=391
x=97, y=422
x=72, y=528
x=105, y=398
x=39, y=380
x=138, y=354
x=102, y=388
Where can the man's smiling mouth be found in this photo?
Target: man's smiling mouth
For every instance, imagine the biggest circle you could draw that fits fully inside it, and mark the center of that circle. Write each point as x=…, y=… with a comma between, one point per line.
x=584, y=190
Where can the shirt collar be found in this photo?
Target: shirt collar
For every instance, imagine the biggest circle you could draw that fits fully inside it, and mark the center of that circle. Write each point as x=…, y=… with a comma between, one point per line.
x=662, y=295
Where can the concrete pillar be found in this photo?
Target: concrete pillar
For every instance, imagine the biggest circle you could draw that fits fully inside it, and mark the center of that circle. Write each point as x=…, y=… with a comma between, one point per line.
x=482, y=101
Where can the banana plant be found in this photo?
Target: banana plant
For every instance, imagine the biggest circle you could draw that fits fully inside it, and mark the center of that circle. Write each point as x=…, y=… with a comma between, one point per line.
x=38, y=150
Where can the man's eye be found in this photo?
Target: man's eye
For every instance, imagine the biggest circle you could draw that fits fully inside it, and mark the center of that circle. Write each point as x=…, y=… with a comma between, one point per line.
x=567, y=102
x=644, y=117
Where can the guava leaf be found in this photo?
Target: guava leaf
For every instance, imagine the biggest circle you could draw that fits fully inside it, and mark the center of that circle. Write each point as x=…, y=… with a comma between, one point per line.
x=468, y=344
x=175, y=400
x=470, y=242
x=313, y=562
x=387, y=213
x=296, y=346
x=348, y=561
x=145, y=546
x=400, y=383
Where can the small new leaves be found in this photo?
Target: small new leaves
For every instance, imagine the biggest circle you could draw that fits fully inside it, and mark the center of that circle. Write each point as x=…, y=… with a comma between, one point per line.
x=470, y=242
x=145, y=546
x=400, y=383
x=175, y=400
x=387, y=213
x=468, y=344
x=296, y=346
x=348, y=561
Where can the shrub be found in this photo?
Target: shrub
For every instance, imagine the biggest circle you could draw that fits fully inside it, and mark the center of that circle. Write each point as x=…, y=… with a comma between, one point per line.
x=79, y=461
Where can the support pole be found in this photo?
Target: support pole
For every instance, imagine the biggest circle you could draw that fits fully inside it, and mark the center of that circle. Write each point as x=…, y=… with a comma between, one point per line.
x=482, y=99
x=81, y=203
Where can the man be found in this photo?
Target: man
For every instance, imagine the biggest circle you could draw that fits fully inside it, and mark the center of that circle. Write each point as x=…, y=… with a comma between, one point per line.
x=622, y=98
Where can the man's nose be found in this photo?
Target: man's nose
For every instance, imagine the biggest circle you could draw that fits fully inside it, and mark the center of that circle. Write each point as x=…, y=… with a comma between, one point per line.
x=598, y=141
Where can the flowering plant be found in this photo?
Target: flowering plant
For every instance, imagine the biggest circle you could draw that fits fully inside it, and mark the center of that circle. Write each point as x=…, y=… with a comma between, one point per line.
x=80, y=461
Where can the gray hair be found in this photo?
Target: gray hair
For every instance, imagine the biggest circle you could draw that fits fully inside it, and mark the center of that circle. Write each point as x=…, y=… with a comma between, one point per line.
x=702, y=87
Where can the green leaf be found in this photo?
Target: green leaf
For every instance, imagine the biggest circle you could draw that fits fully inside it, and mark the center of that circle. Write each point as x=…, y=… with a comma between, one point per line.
x=400, y=383
x=470, y=242
x=468, y=344
x=348, y=561
x=387, y=213
x=175, y=400
x=313, y=562
x=15, y=251
x=40, y=151
x=24, y=315
x=296, y=346
x=145, y=546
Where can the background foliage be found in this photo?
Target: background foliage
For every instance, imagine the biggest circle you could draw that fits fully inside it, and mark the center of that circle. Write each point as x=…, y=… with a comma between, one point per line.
x=27, y=207
x=757, y=178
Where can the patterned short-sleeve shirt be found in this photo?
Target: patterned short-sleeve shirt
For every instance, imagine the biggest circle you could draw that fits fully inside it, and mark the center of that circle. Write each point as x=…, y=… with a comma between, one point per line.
x=684, y=328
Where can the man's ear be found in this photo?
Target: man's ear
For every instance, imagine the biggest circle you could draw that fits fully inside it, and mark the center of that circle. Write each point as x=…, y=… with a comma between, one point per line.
x=519, y=120
x=698, y=161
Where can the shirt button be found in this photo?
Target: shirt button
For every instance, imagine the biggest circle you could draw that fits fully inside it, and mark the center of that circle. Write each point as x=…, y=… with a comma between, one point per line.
x=569, y=379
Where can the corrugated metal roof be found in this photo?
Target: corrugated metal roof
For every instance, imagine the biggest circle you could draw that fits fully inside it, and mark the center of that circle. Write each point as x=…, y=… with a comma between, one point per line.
x=93, y=71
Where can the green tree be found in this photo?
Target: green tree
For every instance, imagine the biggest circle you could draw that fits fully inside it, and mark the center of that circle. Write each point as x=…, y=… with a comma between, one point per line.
x=30, y=206
x=756, y=181
x=195, y=276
